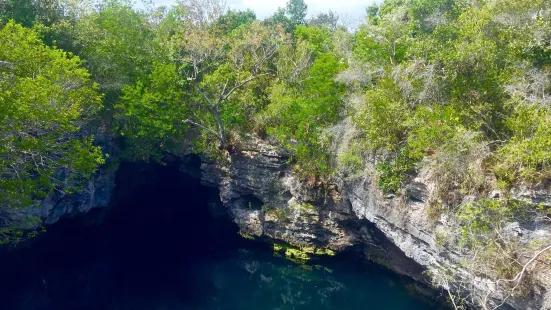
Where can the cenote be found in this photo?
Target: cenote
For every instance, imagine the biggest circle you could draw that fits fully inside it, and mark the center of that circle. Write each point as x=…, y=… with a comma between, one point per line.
x=165, y=244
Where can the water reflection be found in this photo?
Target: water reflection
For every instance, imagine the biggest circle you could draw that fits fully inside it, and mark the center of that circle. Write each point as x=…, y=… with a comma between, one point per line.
x=257, y=280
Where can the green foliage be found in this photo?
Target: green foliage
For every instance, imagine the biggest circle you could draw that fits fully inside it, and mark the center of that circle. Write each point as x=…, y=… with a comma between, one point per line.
x=386, y=35
x=483, y=217
x=527, y=156
x=297, y=114
x=350, y=160
x=315, y=38
x=384, y=117
x=45, y=99
x=293, y=15
x=391, y=174
x=429, y=14
x=432, y=127
x=116, y=43
x=474, y=61
x=297, y=10
x=12, y=234
x=30, y=12
x=300, y=255
x=278, y=18
x=327, y=20
x=479, y=217
x=234, y=19
x=367, y=49
x=150, y=113
x=454, y=90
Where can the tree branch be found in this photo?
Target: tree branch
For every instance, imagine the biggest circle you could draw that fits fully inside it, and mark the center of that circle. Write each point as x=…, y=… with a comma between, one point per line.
x=190, y=122
x=223, y=92
x=203, y=94
x=520, y=275
x=250, y=79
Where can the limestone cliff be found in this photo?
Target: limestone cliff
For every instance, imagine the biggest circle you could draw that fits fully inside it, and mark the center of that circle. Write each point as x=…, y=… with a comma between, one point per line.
x=267, y=200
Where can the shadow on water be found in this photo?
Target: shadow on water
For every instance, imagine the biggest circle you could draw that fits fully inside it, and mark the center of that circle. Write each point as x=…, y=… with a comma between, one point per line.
x=164, y=245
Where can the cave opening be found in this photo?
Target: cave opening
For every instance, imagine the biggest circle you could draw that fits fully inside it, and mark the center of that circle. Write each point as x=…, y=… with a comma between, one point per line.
x=160, y=222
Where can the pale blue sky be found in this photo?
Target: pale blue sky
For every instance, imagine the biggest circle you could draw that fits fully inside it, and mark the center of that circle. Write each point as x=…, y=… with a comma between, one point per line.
x=348, y=9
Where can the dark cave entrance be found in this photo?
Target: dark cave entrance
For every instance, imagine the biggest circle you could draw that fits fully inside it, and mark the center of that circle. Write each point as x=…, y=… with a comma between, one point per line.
x=161, y=221
x=166, y=208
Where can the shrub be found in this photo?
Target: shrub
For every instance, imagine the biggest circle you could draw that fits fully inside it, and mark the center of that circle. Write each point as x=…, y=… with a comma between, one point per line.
x=384, y=117
x=392, y=173
x=527, y=156
x=457, y=167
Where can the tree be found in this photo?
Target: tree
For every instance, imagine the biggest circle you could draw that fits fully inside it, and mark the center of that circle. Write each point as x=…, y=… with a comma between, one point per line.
x=46, y=100
x=301, y=109
x=149, y=113
x=329, y=20
x=291, y=16
x=218, y=66
x=29, y=12
x=429, y=14
x=116, y=43
x=296, y=10
x=460, y=92
x=387, y=32
x=372, y=11
x=279, y=17
x=234, y=19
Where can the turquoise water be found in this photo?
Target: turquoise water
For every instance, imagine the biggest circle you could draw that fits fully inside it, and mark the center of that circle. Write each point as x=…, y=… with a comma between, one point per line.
x=161, y=248
x=253, y=280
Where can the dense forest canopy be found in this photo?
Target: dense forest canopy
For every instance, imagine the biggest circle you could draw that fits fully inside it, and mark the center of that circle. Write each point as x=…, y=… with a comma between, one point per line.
x=457, y=89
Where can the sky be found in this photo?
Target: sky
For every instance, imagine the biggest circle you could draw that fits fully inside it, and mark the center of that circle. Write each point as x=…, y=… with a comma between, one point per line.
x=353, y=10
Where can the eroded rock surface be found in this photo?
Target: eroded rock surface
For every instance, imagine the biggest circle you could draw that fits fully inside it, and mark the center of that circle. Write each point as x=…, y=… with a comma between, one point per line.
x=267, y=200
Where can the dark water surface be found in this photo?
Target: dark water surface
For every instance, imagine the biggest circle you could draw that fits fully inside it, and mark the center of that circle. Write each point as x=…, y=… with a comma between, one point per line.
x=161, y=248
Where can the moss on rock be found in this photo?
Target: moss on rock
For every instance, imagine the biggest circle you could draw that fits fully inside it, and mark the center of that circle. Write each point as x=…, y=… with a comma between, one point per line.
x=300, y=254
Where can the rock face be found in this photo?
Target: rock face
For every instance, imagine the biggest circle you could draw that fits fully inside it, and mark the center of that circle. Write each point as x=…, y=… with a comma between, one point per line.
x=267, y=200
x=97, y=194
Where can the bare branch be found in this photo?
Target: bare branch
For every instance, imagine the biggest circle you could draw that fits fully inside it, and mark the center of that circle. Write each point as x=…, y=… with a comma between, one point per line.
x=250, y=79
x=190, y=122
x=520, y=275
x=223, y=92
x=203, y=94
